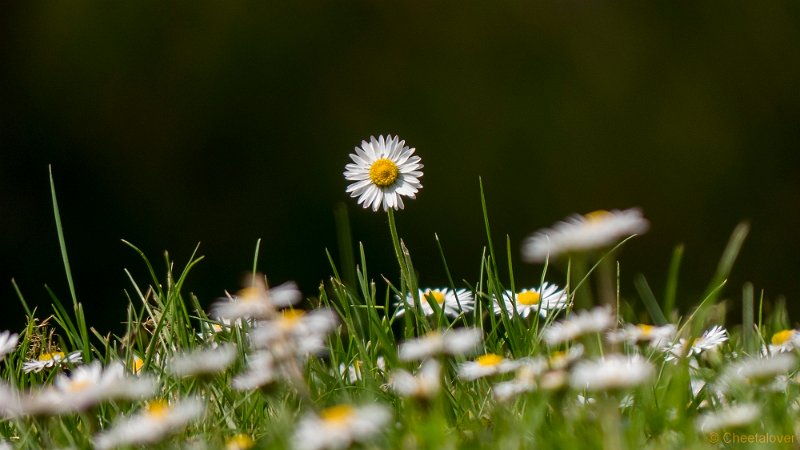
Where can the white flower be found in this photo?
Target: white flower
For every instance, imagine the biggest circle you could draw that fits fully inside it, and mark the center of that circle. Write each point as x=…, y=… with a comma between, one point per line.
x=151, y=425
x=424, y=385
x=87, y=386
x=353, y=371
x=295, y=332
x=8, y=343
x=11, y=401
x=657, y=336
x=784, y=341
x=49, y=360
x=544, y=300
x=506, y=390
x=578, y=324
x=709, y=340
x=452, y=302
x=564, y=359
x=202, y=362
x=734, y=416
x=339, y=426
x=611, y=372
x=458, y=341
x=757, y=369
x=486, y=365
x=261, y=371
x=384, y=170
x=256, y=301
x=582, y=233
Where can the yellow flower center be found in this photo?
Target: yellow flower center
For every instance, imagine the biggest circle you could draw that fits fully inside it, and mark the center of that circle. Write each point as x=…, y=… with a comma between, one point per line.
x=646, y=330
x=781, y=337
x=158, y=409
x=337, y=414
x=78, y=385
x=383, y=172
x=596, y=216
x=239, y=442
x=249, y=294
x=557, y=357
x=290, y=317
x=528, y=298
x=51, y=356
x=436, y=295
x=138, y=363
x=489, y=359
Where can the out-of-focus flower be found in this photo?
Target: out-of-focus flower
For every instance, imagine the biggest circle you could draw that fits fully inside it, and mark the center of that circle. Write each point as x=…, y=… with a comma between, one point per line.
x=546, y=300
x=610, y=373
x=452, y=302
x=384, y=170
x=338, y=427
x=295, y=332
x=203, y=362
x=578, y=233
x=8, y=343
x=261, y=371
x=757, y=369
x=239, y=442
x=458, y=341
x=657, y=336
x=157, y=421
x=424, y=385
x=579, y=323
x=731, y=417
x=486, y=365
x=256, y=301
x=49, y=360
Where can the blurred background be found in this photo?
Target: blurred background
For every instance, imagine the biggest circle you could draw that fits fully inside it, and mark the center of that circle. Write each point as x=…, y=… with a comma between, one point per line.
x=219, y=123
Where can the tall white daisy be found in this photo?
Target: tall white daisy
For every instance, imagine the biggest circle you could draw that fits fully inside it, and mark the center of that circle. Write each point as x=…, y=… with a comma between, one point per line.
x=8, y=343
x=579, y=323
x=452, y=302
x=549, y=298
x=578, y=233
x=384, y=170
x=611, y=372
x=157, y=421
x=338, y=427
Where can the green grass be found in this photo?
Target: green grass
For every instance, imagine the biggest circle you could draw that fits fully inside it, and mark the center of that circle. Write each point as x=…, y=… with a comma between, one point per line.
x=661, y=413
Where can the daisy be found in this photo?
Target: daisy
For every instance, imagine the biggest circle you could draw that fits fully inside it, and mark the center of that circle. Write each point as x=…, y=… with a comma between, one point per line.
x=709, y=340
x=384, y=170
x=756, y=369
x=261, y=371
x=10, y=401
x=157, y=421
x=8, y=343
x=486, y=365
x=239, y=442
x=49, y=360
x=578, y=233
x=611, y=372
x=544, y=300
x=424, y=385
x=458, y=341
x=657, y=336
x=89, y=385
x=579, y=323
x=256, y=301
x=784, y=341
x=353, y=371
x=452, y=302
x=564, y=359
x=295, y=332
x=734, y=416
x=338, y=427
x=203, y=362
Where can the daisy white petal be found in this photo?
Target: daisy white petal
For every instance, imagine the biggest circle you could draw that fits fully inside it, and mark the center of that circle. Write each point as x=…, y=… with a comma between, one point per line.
x=203, y=362
x=295, y=331
x=49, y=360
x=453, y=303
x=261, y=371
x=657, y=336
x=151, y=425
x=610, y=373
x=784, y=341
x=424, y=385
x=578, y=233
x=383, y=170
x=578, y=324
x=758, y=369
x=459, y=341
x=338, y=427
x=709, y=340
x=731, y=417
x=353, y=371
x=486, y=365
x=256, y=301
x=8, y=343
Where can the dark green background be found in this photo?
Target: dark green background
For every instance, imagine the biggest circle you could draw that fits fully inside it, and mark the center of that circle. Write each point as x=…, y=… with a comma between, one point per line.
x=169, y=124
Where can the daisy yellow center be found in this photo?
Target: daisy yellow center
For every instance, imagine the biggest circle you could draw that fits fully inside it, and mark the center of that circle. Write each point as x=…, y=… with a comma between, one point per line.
x=646, y=330
x=337, y=414
x=239, y=442
x=781, y=337
x=138, y=363
x=290, y=317
x=528, y=298
x=596, y=216
x=383, y=172
x=489, y=359
x=557, y=357
x=436, y=295
x=249, y=294
x=79, y=385
x=51, y=356
x=158, y=409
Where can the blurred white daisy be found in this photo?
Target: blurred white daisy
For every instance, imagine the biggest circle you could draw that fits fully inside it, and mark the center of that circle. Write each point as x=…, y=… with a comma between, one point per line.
x=784, y=341
x=731, y=417
x=49, y=360
x=338, y=427
x=486, y=365
x=452, y=302
x=549, y=298
x=384, y=170
x=757, y=369
x=611, y=372
x=157, y=421
x=457, y=341
x=202, y=362
x=579, y=323
x=709, y=340
x=561, y=360
x=425, y=384
x=295, y=332
x=657, y=336
x=353, y=372
x=239, y=442
x=8, y=343
x=256, y=301
x=11, y=401
x=260, y=372
x=578, y=233
x=87, y=386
